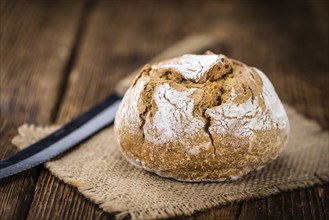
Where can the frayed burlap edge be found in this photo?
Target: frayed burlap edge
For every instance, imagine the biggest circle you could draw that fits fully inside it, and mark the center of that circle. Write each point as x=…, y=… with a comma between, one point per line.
x=28, y=134
x=188, y=209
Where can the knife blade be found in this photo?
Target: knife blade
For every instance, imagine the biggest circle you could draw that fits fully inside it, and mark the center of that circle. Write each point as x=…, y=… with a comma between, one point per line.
x=98, y=117
x=63, y=139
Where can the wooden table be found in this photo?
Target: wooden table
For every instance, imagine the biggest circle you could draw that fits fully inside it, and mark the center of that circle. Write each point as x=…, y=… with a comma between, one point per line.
x=58, y=58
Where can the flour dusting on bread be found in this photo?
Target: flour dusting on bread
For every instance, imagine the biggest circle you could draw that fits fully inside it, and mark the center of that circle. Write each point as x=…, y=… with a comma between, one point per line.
x=246, y=118
x=201, y=118
x=174, y=116
x=129, y=106
x=190, y=66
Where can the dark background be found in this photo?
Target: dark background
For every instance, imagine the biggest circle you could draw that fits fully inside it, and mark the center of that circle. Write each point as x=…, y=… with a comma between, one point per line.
x=58, y=58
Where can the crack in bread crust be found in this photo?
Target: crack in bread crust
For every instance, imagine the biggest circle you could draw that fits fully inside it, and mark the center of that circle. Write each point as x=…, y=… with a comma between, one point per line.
x=211, y=87
x=203, y=124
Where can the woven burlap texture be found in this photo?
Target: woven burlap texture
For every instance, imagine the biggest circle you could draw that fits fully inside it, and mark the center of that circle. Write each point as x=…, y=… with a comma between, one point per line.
x=101, y=174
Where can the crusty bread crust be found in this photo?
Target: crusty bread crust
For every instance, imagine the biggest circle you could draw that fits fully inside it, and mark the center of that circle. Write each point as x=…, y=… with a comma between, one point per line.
x=201, y=118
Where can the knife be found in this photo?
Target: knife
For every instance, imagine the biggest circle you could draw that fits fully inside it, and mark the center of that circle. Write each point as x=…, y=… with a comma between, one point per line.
x=98, y=117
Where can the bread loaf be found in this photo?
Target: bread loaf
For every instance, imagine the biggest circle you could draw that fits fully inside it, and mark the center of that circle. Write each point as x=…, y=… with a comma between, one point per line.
x=201, y=118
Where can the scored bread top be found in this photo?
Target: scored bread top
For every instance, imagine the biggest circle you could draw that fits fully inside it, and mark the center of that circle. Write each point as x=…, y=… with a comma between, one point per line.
x=185, y=94
x=189, y=66
x=195, y=113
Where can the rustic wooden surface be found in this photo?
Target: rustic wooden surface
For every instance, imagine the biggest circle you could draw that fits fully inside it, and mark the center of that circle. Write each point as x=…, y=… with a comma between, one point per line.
x=60, y=58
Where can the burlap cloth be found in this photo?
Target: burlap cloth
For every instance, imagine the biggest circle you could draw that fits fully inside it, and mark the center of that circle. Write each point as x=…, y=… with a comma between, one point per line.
x=101, y=174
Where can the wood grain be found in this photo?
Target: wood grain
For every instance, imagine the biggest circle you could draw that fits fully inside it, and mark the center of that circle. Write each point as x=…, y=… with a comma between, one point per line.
x=32, y=63
x=287, y=41
x=192, y=44
x=93, y=77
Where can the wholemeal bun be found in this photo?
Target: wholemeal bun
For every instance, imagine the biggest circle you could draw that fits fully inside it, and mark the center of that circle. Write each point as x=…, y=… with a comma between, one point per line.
x=201, y=118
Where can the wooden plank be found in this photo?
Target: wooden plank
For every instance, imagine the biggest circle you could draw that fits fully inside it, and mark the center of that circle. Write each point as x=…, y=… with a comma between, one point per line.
x=103, y=59
x=227, y=212
x=254, y=209
x=91, y=80
x=299, y=80
x=31, y=70
x=298, y=69
x=120, y=38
